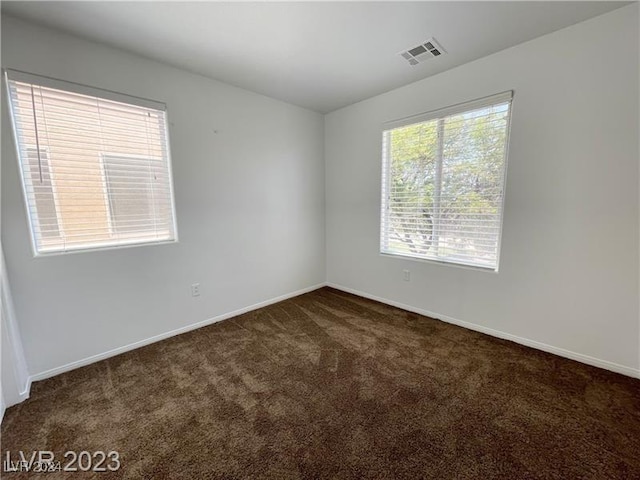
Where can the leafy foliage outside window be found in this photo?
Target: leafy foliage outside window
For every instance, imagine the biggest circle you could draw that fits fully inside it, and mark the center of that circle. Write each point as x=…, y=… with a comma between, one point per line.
x=443, y=187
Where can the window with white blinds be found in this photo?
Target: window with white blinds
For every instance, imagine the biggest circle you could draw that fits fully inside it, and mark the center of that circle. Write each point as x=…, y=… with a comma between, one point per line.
x=95, y=165
x=443, y=183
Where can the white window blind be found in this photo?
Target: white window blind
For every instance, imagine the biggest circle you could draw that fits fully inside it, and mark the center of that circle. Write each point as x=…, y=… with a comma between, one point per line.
x=443, y=182
x=95, y=165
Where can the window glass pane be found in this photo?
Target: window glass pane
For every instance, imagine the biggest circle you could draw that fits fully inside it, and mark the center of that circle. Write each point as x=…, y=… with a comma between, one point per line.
x=413, y=172
x=40, y=177
x=135, y=187
x=103, y=177
x=443, y=187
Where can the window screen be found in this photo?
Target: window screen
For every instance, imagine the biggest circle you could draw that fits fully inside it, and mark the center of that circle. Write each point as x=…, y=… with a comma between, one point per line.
x=443, y=183
x=95, y=165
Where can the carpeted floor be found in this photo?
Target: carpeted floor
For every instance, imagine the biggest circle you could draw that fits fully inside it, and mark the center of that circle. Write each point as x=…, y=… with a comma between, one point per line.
x=329, y=385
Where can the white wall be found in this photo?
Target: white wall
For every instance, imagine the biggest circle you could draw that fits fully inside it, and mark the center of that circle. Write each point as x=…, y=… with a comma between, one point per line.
x=569, y=266
x=249, y=200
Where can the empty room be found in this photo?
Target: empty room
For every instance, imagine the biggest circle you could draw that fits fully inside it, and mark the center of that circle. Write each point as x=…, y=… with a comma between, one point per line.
x=320, y=240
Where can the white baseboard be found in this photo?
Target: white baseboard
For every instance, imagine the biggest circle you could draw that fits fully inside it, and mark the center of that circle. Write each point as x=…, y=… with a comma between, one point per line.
x=27, y=389
x=147, y=341
x=579, y=357
x=614, y=367
x=21, y=397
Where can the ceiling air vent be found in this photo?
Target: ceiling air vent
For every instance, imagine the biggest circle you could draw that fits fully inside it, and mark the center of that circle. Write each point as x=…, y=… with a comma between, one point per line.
x=422, y=52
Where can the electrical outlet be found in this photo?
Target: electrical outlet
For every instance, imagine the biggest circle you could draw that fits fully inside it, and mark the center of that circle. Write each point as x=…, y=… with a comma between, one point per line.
x=195, y=290
x=406, y=275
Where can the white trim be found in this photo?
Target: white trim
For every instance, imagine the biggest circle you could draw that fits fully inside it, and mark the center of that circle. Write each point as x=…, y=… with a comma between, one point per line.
x=132, y=346
x=385, y=189
x=23, y=395
x=614, y=367
x=579, y=357
x=101, y=247
x=16, y=143
x=507, y=140
x=9, y=322
x=169, y=160
x=81, y=89
x=497, y=99
x=440, y=261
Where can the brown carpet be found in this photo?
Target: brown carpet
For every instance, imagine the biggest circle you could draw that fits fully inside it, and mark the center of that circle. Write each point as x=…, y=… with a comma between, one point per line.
x=330, y=385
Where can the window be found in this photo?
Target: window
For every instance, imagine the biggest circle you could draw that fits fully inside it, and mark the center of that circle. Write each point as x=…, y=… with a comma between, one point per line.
x=95, y=165
x=443, y=181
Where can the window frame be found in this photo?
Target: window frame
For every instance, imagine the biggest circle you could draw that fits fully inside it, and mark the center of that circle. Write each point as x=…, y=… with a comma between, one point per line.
x=441, y=114
x=8, y=75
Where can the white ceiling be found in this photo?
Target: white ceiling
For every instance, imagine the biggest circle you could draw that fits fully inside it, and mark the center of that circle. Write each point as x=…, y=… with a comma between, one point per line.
x=319, y=55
